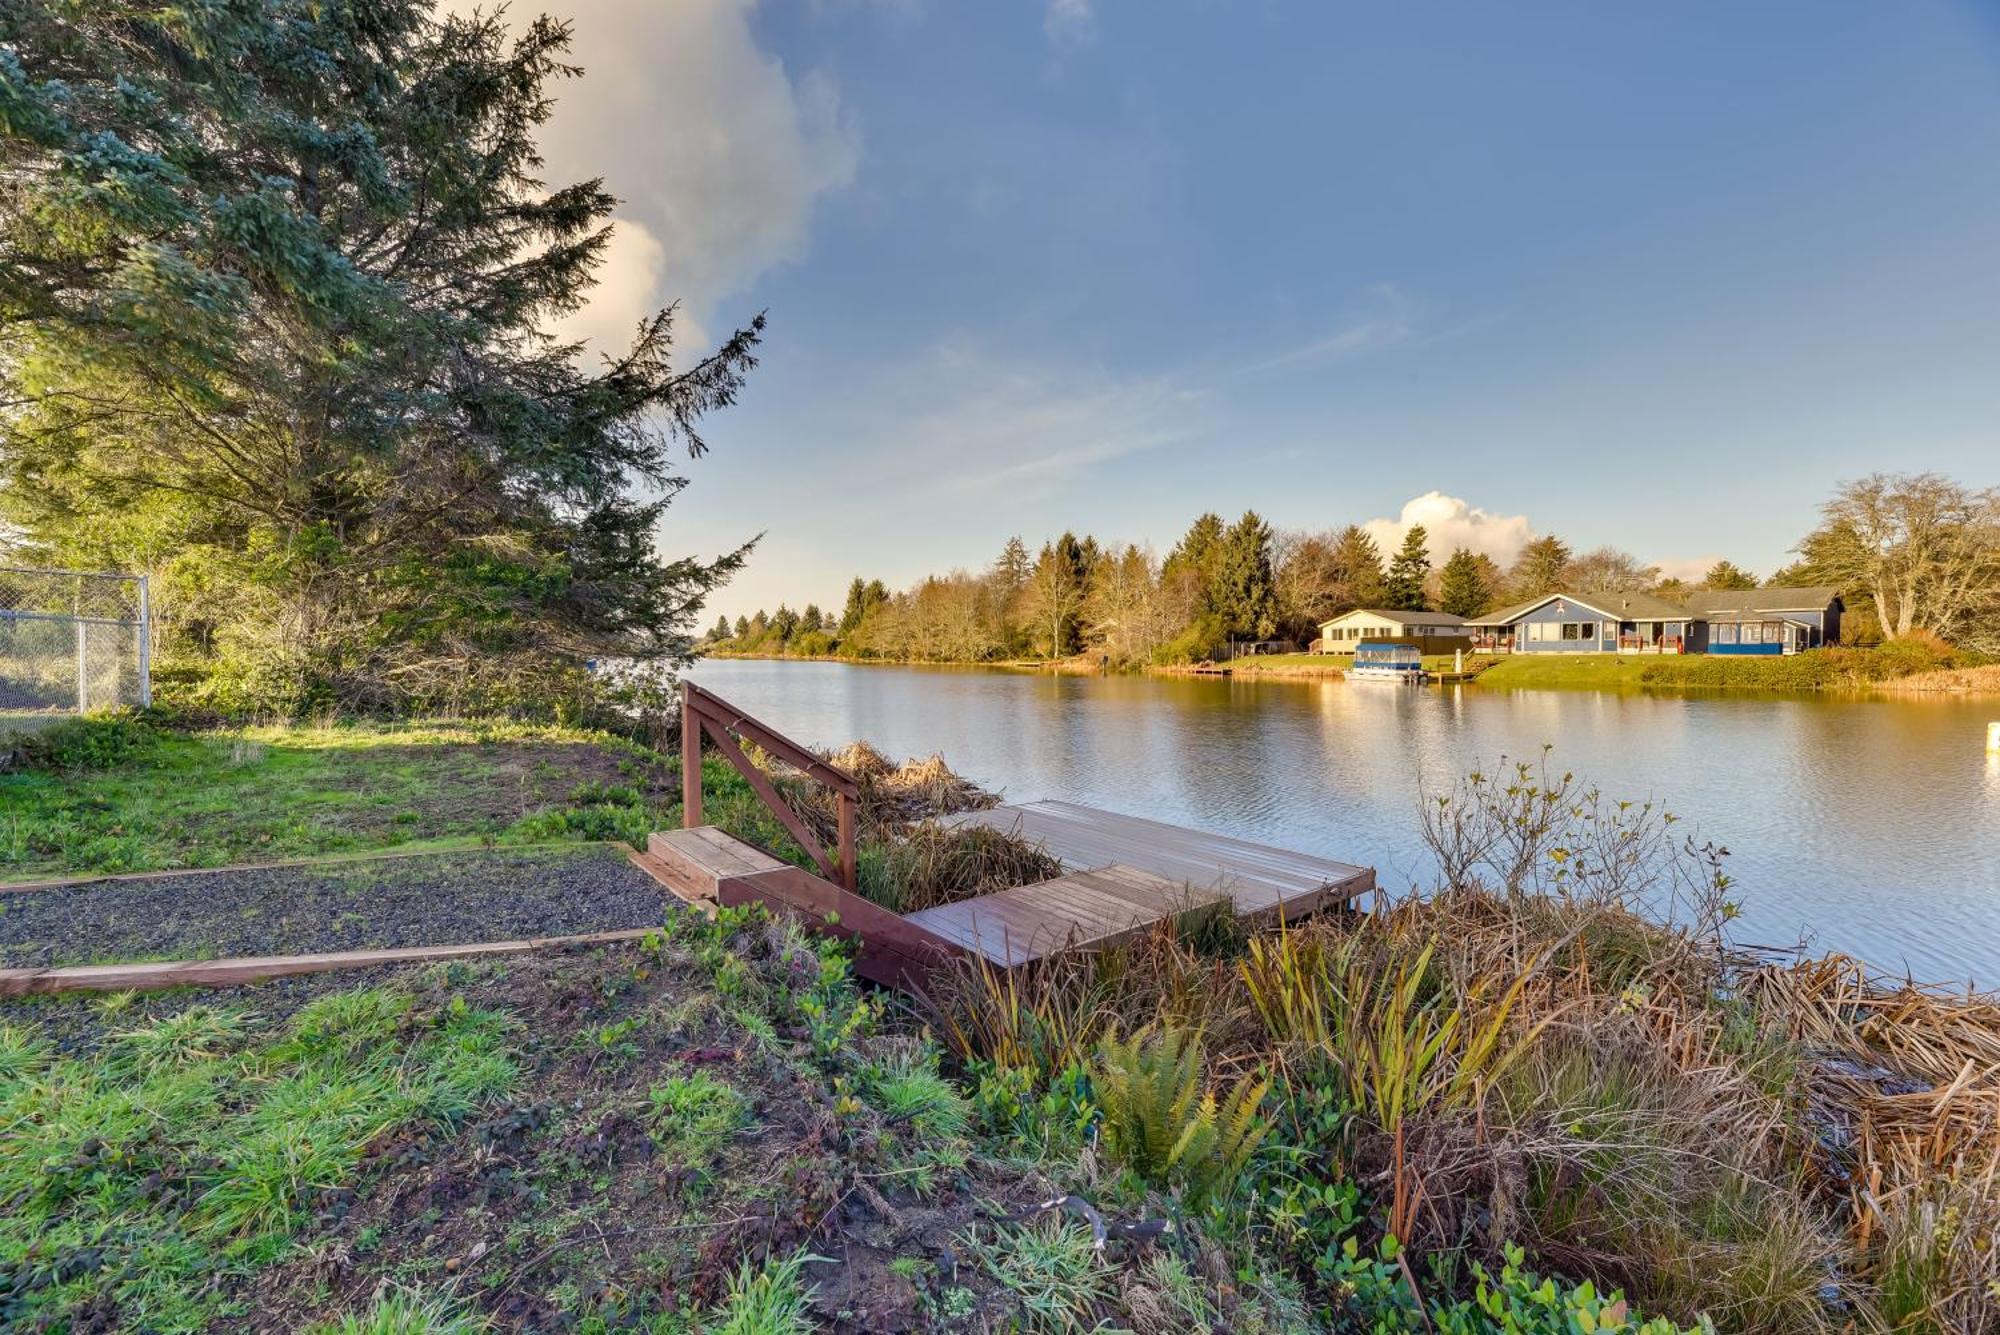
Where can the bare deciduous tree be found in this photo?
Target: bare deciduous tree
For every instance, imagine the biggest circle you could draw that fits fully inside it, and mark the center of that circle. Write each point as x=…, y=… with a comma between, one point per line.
x=1924, y=548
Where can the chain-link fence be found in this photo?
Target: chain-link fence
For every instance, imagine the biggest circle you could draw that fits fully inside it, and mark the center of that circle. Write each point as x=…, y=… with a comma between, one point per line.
x=72, y=642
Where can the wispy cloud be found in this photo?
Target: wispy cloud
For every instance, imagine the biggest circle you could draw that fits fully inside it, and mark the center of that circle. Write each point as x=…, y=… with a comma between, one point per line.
x=981, y=422
x=1385, y=317
x=1069, y=22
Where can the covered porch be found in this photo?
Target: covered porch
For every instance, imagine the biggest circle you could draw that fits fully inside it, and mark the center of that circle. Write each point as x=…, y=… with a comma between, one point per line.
x=1652, y=637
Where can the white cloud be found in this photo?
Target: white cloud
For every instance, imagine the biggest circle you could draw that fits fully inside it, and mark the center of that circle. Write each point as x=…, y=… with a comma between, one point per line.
x=1452, y=523
x=717, y=153
x=1070, y=21
x=628, y=284
x=1690, y=568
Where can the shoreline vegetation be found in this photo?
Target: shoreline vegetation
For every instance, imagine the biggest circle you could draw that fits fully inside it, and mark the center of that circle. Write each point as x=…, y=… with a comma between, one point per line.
x=1834, y=669
x=1549, y=1067
x=1915, y=559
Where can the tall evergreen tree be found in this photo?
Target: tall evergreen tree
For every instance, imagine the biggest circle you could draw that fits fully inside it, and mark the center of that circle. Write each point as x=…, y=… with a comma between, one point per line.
x=1242, y=588
x=720, y=631
x=272, y=283
x=1728, y=575
x=811, y=619
x=1056, y=591
x=1464, y=586
x=1539, y=569
x=1195, y=556
x=857, y=604
x=1403, y=589
x=742, y=627
x=1012, y=567
x=1358, y=563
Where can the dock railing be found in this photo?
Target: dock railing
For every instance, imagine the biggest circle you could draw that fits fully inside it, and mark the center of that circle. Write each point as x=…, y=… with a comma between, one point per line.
x=703, y=712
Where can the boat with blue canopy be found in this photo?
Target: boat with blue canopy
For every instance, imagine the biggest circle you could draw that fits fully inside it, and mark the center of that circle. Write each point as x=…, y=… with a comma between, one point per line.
x=1377, y=660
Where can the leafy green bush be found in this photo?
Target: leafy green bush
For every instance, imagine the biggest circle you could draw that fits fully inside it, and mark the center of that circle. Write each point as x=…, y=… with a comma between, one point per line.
x=1814, y=669
x=1202, y=641
x=1378, y=1298
x=91, y=742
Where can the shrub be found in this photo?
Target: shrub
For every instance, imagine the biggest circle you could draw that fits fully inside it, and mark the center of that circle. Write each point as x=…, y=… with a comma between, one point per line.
x=91, y=742
x=1378, y=1298
x=1200, y=642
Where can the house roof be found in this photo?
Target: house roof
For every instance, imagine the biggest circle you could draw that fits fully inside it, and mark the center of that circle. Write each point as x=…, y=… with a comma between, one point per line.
x=1724, y=602
x=1701, y=605
x=1401, y=618
x=1616, y=606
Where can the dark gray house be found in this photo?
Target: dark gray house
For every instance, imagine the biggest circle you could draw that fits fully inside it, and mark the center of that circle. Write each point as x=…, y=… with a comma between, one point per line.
x=1752, y=621
x=1767, y=621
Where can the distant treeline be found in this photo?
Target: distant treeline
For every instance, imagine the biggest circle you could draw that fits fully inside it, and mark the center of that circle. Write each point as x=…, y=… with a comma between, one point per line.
x=1912, y=554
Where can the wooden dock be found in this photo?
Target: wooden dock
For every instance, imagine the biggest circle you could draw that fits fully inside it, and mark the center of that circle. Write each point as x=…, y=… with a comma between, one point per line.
x=1259, y=880
x=1121, y=874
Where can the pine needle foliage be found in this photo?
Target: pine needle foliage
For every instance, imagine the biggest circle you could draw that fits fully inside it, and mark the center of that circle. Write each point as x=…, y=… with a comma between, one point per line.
x=1162, y=1123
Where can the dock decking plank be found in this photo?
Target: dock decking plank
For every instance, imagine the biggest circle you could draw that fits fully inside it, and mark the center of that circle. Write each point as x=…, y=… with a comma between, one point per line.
x=1099, y=906
x=1257, y=878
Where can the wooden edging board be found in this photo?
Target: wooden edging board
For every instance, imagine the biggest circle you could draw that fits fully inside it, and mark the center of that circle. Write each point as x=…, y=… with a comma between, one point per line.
x=258, y=968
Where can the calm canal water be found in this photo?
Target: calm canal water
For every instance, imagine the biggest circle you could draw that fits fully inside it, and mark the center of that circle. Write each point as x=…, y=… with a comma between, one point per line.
x=1868, y=826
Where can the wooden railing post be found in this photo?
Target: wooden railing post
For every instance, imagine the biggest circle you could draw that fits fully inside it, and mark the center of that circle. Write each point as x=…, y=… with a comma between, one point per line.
x=690, y=758
x=849, y=873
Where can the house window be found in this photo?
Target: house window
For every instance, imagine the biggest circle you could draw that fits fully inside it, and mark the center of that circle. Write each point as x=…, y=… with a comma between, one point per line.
x=1539, y=630
x=1724, y=632
x=1579, y=630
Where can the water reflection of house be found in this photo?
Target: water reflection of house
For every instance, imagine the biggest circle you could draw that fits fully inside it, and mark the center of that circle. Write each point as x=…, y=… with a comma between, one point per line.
x=1721, y=621
x=1432, y=632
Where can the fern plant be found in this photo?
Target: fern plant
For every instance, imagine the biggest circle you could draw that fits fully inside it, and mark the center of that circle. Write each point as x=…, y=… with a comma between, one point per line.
x=1162, y=1123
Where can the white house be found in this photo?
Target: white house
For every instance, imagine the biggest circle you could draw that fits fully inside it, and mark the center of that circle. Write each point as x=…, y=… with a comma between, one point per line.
x=1434, y=632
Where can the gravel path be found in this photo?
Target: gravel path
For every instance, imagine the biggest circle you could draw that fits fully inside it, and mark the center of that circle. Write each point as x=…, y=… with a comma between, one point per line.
x=434, y=900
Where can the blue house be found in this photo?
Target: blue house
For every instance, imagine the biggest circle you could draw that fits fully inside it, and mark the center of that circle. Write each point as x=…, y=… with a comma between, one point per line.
x=1585, y=623
x=1723, y=621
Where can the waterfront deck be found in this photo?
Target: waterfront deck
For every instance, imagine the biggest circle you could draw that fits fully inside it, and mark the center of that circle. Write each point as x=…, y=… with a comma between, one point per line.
x=1121, y=874
x=1260, y=881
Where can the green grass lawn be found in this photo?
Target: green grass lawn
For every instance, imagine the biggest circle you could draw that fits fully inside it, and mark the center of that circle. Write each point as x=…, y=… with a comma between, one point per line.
x=1581, y=671
x=211, y=798
x=1836, y=668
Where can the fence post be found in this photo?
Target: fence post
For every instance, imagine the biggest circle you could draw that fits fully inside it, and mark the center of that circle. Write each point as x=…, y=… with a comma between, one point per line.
x=145, y=643
x=82, y=656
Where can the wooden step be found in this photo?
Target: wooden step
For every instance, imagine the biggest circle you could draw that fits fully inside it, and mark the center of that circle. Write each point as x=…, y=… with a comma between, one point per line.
x=694, y=862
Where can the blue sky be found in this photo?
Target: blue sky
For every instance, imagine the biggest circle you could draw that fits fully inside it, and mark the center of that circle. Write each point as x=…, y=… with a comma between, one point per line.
x=1654, y=276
